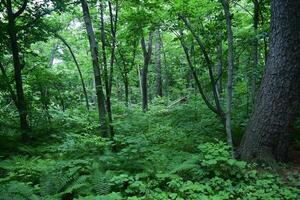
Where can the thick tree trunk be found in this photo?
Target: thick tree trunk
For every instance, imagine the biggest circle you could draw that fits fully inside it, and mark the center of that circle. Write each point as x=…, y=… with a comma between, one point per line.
x=266, y=137
x=96, y=68
x=22, y=107
x=158, y=65
x=225, y=4
x=78, y=69
x=144, y=72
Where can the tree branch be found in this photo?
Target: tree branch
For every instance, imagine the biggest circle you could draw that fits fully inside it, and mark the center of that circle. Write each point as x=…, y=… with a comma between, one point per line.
x=21, y=10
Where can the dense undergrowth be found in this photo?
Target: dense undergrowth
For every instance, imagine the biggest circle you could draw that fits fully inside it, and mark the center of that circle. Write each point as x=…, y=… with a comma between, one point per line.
x=172, y=153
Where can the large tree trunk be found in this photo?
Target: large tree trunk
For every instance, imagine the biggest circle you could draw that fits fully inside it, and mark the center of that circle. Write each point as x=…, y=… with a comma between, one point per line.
x=158, y=64
x=96, y=68
x=225, y=4
x=276, y=105
x=22, y=108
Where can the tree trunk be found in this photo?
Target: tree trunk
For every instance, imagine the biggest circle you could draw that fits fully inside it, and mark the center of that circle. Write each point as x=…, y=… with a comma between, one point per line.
x=96, y=68
x=225, y=4
x=144, y=72
x=266, y=137
x=78, y=69
x=158, y=65
x=22, y=107
x=107, y=77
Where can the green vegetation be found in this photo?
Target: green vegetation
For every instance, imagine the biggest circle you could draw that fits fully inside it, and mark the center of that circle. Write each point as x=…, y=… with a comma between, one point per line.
x=149, y=100
x=161, y=154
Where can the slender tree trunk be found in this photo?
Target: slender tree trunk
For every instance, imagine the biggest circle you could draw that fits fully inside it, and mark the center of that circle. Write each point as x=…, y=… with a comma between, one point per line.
x=254, y=50
x=96, y=67
x=144, y=72
x=225, y=4
x=276, y=106
x=159, y=91
x=197, y=81
x=209, y=66
x=107, y=77
x=78, y=69
x=22, y=107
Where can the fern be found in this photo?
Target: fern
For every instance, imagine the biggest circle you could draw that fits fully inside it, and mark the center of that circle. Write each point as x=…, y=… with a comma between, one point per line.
x=15, y=190
x=100, y=183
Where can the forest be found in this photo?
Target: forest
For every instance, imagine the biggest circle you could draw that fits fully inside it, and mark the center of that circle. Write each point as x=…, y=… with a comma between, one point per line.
x=149, y=100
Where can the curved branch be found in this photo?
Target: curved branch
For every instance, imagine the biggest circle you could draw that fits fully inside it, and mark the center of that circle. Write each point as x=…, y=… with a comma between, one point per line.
x=21, y=10
x=78, y=68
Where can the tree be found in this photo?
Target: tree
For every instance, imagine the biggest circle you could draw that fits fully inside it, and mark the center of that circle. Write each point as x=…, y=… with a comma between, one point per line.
x=96, y=67
x=266, y=138
x=225, y=5
x=147, y=51
x=12, y=32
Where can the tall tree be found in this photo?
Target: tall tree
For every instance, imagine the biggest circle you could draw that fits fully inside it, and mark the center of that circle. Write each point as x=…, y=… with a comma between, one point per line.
x=96, y=67
x=12, y=32
x=266, y=138
x=225, y=4
x=147, y=51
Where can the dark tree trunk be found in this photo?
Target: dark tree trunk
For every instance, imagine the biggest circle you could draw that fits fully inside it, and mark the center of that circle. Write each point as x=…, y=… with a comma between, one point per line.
x=108, y=76
x=22, y=107
x=266, y=137
x=144, y=72
x=159, y=91
x=96, y=68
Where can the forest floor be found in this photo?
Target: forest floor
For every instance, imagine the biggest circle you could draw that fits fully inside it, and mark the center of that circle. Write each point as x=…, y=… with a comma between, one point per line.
x=175, y=153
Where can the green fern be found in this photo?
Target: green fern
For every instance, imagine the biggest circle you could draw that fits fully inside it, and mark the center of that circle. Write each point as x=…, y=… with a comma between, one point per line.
x=15, y=190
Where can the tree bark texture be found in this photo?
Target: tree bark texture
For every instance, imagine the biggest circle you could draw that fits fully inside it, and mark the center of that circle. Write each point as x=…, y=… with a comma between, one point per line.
x=266, y=137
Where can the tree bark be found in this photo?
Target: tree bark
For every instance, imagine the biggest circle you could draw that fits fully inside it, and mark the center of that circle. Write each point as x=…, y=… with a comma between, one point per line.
x=266, y=138
x=225, y=5
x=22, y=107
x=147, y=51
x=159, y=91
x=96, y=67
